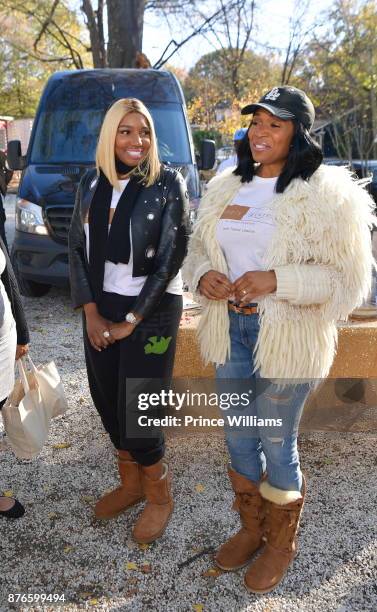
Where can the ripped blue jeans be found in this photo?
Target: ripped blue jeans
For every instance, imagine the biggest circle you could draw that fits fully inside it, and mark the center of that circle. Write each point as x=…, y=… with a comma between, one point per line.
x=261, y=427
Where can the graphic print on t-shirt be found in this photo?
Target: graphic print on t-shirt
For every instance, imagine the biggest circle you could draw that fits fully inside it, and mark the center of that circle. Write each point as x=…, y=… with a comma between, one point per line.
x=247, y=226
x=247, y=215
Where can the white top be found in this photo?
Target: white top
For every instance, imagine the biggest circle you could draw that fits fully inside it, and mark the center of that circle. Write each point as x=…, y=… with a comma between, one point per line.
x=246, y=227
x=227, y=163
x=8, y=339
x=118, y=277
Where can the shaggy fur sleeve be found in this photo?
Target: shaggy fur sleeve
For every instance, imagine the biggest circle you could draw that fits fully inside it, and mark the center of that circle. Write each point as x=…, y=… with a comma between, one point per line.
x=198, y=261
x=342, y=282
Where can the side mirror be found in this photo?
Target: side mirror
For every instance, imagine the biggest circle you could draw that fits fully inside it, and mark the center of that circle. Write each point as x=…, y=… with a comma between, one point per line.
x=207, y=155
x=15, y=159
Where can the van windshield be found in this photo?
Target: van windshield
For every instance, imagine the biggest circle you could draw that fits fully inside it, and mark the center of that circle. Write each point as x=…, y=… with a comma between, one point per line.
x=70, y=135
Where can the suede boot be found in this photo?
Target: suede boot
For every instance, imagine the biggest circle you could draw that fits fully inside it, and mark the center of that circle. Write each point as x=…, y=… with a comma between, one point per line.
x=282, y=515
x=153, y=520
x=126, y=495
x=239, y=549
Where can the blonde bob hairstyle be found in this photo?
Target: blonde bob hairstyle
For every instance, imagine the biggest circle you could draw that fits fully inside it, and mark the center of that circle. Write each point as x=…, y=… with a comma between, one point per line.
x=149, y=168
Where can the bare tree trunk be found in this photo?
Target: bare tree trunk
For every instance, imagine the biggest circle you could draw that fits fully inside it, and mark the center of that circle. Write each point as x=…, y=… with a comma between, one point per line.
x=125, y=20
x=94, y=22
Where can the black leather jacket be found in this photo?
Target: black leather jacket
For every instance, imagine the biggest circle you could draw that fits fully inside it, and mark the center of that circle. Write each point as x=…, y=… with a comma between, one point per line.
x=159, y=227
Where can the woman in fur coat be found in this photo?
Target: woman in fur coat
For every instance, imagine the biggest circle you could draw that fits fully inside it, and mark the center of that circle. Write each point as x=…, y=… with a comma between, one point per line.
x=280, y=252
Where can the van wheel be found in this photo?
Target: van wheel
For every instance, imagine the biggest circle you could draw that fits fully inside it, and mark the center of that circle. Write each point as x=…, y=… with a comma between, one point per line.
x=27, y=287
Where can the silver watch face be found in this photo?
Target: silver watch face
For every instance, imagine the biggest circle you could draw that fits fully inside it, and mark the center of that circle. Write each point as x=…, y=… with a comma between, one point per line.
x=130, y=318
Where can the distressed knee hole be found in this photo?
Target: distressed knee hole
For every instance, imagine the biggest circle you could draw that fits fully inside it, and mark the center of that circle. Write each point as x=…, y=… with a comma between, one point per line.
x=276, y=440
x=279, y=398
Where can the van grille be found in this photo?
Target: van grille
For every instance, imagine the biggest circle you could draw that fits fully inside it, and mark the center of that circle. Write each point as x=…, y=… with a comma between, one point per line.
x=65, y=170
x=59, y=219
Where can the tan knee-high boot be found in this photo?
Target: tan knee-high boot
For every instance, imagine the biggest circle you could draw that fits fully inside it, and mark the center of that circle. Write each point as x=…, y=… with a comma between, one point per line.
x=153, y=520
x=239, y=549
x=282, y=515
x=126, y=495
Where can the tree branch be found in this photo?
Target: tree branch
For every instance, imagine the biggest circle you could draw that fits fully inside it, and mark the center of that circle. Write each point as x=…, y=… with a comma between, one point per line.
x=46, y=23
x=162, y=59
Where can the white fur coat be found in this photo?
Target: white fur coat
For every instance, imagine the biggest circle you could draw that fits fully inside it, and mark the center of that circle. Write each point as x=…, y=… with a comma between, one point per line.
x=322, y=257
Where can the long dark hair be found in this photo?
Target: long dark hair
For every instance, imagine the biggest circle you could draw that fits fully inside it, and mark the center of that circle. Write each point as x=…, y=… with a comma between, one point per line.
x=304, y=157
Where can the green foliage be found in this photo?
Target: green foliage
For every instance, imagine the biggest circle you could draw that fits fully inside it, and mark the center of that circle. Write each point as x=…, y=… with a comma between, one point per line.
x=199, y=135
x=214, y=71
x=341, y=69
x=36, y=41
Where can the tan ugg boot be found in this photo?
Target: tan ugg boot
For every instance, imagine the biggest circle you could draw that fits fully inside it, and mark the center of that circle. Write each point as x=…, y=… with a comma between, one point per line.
x=282, y=515
x=153, y=520
x=239, y=549
x=126, y=495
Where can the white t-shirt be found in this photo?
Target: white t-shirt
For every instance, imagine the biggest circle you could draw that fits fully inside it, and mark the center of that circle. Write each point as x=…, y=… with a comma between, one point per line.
x=118, y=277
x=246, y=227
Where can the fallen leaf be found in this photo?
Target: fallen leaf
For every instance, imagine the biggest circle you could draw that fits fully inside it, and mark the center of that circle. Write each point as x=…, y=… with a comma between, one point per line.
x=67, y=549
x=8, y=493
x=87, y=498
x=131, y=593
x=62, y=445
x=212, y=572
x=197, y=549
x=93, y=602
x=146, y=568
x=199, y=488
x=328, y=461
x=85, y=595
x=52, y=515
x=144, y=546
x=198, y=607
x=130, y=565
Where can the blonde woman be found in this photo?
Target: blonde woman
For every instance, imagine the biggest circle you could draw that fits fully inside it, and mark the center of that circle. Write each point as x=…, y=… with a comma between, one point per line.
x=127, y=242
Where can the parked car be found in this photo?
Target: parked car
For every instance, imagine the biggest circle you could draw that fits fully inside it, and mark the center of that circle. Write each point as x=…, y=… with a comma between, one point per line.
x=62, y=147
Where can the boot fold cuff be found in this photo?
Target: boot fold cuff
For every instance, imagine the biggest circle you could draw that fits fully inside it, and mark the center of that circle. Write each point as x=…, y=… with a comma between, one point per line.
x=278, y=496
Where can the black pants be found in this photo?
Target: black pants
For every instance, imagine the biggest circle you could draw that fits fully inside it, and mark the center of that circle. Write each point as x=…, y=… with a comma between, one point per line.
x=147, y=355
x=2, y=403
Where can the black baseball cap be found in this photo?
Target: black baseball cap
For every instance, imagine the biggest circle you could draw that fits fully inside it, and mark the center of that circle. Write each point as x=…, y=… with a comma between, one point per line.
x=285, y=102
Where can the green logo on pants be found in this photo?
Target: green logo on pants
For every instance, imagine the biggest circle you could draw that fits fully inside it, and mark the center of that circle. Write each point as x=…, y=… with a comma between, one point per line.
x=157, y=347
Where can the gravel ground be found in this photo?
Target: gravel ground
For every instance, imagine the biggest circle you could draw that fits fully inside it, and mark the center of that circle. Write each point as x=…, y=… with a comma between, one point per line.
x=58, y=547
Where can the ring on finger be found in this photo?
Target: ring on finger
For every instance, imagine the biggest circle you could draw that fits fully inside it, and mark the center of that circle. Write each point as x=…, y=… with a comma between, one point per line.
x=243, y=291
x=106, y=334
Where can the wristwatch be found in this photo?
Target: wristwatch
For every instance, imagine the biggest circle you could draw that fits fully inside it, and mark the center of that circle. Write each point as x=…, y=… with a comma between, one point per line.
x=130, y=318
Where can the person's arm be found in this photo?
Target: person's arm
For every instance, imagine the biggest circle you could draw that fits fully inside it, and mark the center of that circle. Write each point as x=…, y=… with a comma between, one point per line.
x=172, y=247
x=305, y=284
x=10, y=284
x=198, y=271
x=197, y=262
x=81, y=291
x=344, y=282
